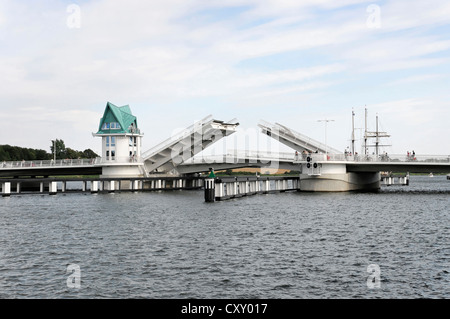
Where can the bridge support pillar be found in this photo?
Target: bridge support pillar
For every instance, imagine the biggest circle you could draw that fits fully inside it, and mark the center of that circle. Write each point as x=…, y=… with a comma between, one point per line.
x=53, y=188
x=6, y=189
x=235, y=188
x=94, y=187
x=110, y=186
x=266, y=186
x=335, y=178
x=219, y=189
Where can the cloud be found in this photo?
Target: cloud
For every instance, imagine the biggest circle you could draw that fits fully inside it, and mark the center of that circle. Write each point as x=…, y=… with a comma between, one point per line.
x=417, y=79
x=195, y=57
x=403, y=14
x=398, y=52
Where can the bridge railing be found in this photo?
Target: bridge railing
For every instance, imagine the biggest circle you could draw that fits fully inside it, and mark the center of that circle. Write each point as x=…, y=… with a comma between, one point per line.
x=120, y=160
x=234, y=156
x=404, y=158
x=176, y=137
x=294, y=136
x=50, y=163
x=377, y=158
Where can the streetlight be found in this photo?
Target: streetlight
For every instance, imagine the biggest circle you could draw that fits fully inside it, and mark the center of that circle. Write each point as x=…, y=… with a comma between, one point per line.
x=54, y=149
x=326, y=145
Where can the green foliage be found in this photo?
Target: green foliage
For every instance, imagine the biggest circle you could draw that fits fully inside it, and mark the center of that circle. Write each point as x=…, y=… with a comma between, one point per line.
x=60, y=149
x=16, y=153
x=63, y=152
x=88, y=153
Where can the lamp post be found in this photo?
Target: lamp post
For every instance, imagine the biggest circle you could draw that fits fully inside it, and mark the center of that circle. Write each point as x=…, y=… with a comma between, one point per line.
x=326, y=144
x=54, y=149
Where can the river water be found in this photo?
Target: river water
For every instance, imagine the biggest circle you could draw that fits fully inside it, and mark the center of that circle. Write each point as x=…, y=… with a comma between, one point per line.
x=174, y=245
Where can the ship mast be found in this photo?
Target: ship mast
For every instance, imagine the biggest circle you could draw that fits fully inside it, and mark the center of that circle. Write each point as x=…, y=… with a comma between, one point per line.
x=365, y=133
x=377, y=135
x=353, y=132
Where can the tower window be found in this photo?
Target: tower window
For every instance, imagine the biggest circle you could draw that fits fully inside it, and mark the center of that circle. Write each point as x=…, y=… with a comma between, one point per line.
x=111, y=126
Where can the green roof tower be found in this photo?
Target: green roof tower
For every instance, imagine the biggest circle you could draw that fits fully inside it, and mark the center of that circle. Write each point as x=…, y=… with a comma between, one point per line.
x=121, y=142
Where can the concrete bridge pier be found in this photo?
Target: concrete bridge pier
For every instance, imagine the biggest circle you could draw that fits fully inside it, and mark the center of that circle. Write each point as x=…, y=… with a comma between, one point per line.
x=6, y=189
x=52, y=188
x=333, y=177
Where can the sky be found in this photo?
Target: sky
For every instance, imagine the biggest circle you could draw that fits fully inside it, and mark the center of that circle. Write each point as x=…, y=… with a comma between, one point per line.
x=175, y=62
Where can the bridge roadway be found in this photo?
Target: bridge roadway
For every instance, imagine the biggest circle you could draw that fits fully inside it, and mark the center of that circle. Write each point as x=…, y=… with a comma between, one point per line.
x=391, y=163
x=51, y=168
x=240, y=159
x=237, y=159
x=170, y=153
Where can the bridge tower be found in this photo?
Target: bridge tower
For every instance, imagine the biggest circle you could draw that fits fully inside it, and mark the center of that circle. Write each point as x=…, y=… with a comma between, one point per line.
x=121, y=142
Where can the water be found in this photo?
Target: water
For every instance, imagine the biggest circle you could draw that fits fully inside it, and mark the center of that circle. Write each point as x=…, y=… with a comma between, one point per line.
x=174, y=245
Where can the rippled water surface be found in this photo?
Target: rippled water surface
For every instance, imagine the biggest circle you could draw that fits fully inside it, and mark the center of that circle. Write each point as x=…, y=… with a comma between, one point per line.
x=174, y=245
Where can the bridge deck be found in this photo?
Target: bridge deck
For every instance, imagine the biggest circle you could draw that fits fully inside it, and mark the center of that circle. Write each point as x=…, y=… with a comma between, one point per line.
x=238, y=159
x=384, y=163
x=293, y=139
x=170, y=153
x=51, y=168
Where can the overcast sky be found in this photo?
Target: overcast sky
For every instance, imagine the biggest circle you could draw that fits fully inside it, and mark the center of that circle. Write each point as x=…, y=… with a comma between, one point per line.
x=177, y=61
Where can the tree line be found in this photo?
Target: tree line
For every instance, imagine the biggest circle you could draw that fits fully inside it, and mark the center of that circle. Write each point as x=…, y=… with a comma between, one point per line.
x=16, y=153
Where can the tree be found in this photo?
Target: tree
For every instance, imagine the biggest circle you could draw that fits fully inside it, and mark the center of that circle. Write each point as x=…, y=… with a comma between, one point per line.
x=60, y=148
x=42, y=155
x=4, y=155
x=16, y=153
x=89, y=154
x=70, y=153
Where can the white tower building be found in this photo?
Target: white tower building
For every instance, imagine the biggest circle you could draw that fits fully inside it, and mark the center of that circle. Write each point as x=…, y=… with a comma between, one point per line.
x=121, y=142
